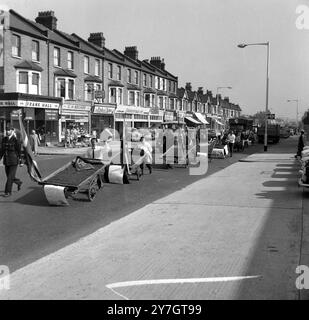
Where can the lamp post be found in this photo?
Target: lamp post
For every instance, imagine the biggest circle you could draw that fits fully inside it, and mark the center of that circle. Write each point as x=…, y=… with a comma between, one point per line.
x=243, y=45
x=295, y=100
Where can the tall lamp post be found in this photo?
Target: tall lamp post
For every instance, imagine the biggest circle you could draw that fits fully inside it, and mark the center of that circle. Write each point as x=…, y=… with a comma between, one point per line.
x=243, y=45
x=295, y=100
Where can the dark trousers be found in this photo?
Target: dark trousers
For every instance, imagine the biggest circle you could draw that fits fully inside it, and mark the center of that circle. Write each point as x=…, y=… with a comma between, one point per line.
x=148, y=165
x=10, y=172
x=231, y=147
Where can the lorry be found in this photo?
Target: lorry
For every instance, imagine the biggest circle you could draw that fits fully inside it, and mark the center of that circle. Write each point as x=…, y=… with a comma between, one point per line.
x=273, y=133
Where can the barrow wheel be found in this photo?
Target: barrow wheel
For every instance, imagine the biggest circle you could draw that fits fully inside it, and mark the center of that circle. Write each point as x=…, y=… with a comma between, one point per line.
x=93, y=189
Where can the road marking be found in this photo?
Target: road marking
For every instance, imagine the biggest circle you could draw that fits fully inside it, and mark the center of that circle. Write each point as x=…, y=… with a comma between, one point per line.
x=111, y=286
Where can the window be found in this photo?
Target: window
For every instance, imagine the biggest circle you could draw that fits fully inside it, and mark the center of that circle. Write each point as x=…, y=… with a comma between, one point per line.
x=169, y=85
x=23, y=82
x=110, y=70
x=71, y=89
x=119, y=96
x=57, y=57
x=88, y=91
x=150, y=81
x=136, y=77
x=35, y=50
x=161, y=102
x=134, y=98
x=129, y=76
x=35, y=83
x=16, y=45
x=149, y=100
x=65, y=87
x=144, y=79
x=61, y=88
x=70, y=60
x=131, y=98
x=163, y=84
x=172, y=105
x=112, y=95
x=118, y=72
x=97, y=68
x=86, y=64
x=157, y=82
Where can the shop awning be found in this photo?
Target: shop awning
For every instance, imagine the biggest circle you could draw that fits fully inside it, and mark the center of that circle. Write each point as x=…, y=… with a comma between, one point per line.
x=220, y=123
x=193, y=120
x=201, y=118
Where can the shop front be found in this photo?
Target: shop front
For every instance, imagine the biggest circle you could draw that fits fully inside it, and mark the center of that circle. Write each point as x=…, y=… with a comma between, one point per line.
x=138, y=117
x=39, y=113
x=102, y=117
x=191, y=121
x=170, y=116
x=75, y=117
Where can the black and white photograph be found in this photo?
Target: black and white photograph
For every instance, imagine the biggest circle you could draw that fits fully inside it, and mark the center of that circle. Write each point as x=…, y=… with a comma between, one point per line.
x=154, y=150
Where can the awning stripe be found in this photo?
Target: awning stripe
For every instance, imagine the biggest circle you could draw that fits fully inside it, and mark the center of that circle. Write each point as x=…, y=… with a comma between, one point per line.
x=201, y=118
x=193, y=120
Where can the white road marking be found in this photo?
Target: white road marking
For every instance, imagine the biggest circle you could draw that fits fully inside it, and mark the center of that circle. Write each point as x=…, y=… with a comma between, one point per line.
x=111, y=286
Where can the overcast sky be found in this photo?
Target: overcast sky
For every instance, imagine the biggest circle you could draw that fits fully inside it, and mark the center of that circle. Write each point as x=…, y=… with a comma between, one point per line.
x=198, y=40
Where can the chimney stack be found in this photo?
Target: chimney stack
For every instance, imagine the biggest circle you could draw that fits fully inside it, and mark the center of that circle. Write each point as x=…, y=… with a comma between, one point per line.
x=188, y=86
x=162, y=64
x=131, y=52
x=156, y=62
x=47, y=19
x=97, y=38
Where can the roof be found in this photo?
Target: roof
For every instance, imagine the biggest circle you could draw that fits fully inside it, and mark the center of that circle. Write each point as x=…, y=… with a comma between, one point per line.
x=93, y=79
x=114, y=83
x=29, y=65
x=65, y=73
x=87, y=46
x=133, y=87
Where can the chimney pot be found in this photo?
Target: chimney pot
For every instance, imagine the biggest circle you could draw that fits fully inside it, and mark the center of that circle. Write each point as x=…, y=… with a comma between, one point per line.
x=47, y=19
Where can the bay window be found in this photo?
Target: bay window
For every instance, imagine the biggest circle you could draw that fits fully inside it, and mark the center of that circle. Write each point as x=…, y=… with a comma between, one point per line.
x=115, y=95
x=28, y=81
x=65, y=88
x=134, y=98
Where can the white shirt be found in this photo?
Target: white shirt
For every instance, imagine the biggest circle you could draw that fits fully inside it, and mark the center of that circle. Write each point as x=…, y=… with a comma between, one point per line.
x=231, y=138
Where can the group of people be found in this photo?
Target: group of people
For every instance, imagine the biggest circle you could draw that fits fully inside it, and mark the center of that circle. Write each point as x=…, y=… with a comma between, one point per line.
x=238, y=141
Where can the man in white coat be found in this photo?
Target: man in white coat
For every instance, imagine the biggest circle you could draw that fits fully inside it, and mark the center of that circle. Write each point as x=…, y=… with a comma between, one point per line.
x=147, y=157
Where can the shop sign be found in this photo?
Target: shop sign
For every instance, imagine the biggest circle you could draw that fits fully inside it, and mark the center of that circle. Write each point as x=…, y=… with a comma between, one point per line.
x=29, y=114
x=51, y=114
x=15, y=114
x=8, y=103
x=132, y=109
x=76, y=107
x=37, y=104
x=169, y=116
x=103, y=109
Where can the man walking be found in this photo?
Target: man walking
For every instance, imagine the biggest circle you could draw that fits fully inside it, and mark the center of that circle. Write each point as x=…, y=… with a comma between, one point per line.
x=11, y=153
x=231, y=141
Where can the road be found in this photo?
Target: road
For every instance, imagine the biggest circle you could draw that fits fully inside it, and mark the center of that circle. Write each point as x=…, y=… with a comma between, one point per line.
x=241, y=219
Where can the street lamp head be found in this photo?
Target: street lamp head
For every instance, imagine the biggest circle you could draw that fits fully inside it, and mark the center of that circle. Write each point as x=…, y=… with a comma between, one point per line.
x=241, y=45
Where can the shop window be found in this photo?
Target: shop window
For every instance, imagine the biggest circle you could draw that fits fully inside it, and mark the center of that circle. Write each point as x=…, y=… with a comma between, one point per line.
x=70, y=60
x=97, y=67
x=86, y=64
x=35, y=50
x=57, y=57
x=23, y=82
x=16, y=45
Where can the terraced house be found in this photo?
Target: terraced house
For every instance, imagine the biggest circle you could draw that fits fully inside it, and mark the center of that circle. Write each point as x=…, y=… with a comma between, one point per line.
x=52, y=77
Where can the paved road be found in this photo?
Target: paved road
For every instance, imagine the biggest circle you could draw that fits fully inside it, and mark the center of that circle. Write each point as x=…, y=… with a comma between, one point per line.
x=30, y=228
x=183, y=237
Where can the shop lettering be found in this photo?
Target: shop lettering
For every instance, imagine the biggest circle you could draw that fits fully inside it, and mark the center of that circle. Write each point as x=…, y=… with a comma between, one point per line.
x=302, y=21
x=8, y=103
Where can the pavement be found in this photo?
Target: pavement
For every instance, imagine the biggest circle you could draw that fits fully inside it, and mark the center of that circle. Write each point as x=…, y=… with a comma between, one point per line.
x=239, y=233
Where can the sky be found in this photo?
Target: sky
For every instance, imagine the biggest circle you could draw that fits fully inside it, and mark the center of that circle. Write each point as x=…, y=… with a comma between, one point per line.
x=198, y=41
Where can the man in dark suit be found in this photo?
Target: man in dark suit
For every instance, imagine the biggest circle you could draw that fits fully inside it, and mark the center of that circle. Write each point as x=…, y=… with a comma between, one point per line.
x=11, y=153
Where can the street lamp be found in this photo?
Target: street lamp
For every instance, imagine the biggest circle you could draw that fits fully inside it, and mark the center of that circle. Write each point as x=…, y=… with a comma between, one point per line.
x=243, y=45
x=295, y=100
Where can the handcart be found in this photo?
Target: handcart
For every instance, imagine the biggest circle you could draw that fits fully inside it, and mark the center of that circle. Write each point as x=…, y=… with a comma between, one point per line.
x=82, y=176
